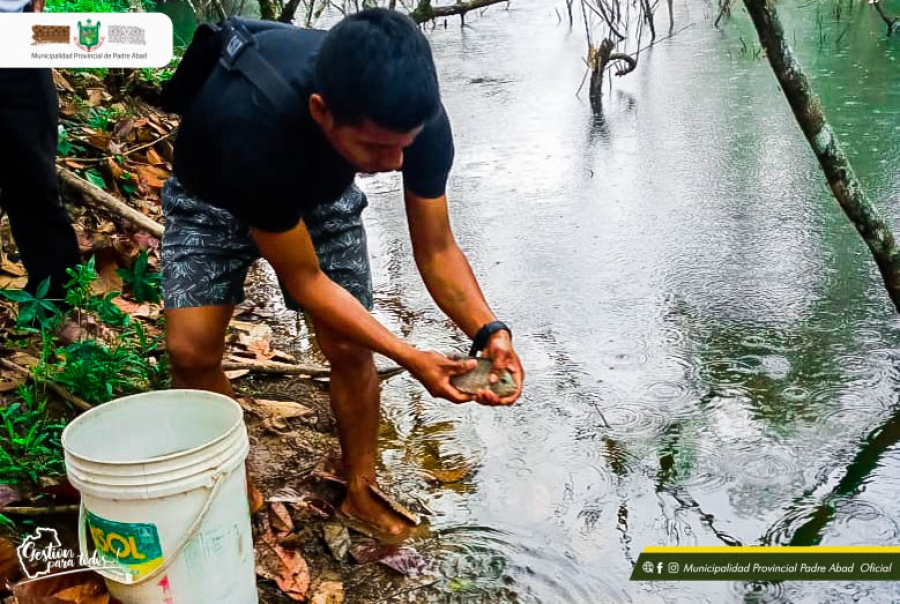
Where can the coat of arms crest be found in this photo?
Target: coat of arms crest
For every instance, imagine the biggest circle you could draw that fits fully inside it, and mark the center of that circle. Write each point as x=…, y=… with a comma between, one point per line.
x=89, y=38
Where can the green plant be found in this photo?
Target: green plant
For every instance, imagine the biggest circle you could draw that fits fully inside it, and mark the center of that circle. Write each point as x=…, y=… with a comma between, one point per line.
x=35, y=308
x=128, y=187
x=29, y=439
x=78, y=288
x=97, y=373
x=64, y=144
x=145, y=284
x=92, y=370
x=100, y=118
x=95, y=178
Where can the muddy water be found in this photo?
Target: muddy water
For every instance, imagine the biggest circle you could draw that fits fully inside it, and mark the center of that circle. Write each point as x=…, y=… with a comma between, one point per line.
x=708, y=347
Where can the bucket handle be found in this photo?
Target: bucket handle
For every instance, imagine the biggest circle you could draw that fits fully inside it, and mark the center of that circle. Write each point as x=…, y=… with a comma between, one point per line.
x=125, y=577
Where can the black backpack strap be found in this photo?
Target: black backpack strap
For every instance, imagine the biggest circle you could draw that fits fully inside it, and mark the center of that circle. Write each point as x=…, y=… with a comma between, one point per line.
x=240, y=53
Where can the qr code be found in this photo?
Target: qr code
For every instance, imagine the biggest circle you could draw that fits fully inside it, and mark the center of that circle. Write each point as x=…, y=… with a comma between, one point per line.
x=126, y=34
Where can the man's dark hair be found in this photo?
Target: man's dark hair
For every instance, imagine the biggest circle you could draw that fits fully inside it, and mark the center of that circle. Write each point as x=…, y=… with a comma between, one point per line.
x=376, y=64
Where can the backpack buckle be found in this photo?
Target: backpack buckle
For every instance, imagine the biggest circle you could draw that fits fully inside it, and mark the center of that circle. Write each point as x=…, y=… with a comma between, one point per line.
x=238, y=39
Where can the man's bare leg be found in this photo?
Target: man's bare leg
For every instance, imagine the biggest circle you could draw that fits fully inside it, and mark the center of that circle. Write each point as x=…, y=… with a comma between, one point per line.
x=355, y=401
x=195, y=340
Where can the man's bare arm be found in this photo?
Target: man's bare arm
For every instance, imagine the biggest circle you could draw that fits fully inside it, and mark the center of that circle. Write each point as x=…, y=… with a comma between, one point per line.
x=444, y=268
x=451, y=282
x=293, y=257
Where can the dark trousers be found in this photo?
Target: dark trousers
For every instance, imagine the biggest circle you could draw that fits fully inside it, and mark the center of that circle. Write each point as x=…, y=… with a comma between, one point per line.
x=29, y=116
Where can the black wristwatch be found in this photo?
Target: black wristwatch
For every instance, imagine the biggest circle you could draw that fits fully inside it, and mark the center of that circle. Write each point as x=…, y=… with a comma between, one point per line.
x=484, y=334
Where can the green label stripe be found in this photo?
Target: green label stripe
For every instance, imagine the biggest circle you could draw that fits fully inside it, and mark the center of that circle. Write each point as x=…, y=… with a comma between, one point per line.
x=130, y=543
x=768, y=564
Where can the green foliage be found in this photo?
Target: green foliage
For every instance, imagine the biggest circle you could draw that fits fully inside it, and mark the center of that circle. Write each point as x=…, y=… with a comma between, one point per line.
x=78, y=288
x=95, y=178
x=90, y=369
x=29, y=439
x=145, y=285
x=94, y=6
x=33, y=309
x=65, y=146
x=101, y=118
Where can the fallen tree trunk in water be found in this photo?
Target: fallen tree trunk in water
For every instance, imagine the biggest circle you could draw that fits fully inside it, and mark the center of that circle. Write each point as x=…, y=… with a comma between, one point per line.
x=425, y=12
x=810, y=116
x=100, y=199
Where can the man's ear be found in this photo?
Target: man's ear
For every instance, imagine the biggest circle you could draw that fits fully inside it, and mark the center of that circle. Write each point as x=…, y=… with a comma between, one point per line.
x=320, y=112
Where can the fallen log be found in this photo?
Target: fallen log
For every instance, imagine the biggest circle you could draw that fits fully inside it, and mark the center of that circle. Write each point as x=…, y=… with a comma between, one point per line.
x=312, y=371
x=100, y=199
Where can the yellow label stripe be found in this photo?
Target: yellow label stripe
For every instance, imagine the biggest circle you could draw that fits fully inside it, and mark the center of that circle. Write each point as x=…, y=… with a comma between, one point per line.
x=772, y=549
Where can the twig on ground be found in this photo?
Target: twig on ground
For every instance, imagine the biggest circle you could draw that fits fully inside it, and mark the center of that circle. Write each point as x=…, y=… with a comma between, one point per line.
x=40, y=511
x=56, y=388
x=102, y=200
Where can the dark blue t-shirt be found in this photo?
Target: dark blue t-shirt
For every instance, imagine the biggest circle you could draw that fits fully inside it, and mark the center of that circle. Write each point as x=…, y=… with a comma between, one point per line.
x=234, y=152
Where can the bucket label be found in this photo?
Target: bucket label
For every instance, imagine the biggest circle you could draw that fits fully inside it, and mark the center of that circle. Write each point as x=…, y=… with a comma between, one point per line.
x=132, y=544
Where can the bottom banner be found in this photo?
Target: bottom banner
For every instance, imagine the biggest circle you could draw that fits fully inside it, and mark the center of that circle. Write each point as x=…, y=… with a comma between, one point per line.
x=764, y=563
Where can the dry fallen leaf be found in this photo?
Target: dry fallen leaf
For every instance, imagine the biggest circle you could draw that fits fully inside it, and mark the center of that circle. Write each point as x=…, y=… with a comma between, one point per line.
x=9, y=563
x=280, y=519
x=328, y=592
x=16, y=269
x=106, y=265
x=284, y=566
x=8, y=495
x=23, y=359
x=237, y=373
x=153, y=157
x=141, y=311
x=79, y=588
x=337, y=537
x=10, y=385
x=9, y=282
x=255, y=498
x=61, y=82
x=402, y=558
x=275, y=413
x=261, y=349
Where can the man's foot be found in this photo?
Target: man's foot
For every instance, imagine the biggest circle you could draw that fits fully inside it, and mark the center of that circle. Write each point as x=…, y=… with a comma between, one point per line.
x=362, y=504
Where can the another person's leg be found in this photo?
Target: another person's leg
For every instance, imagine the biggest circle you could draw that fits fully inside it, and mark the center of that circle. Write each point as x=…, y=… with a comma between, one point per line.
x=29, y=192
x=340, y=240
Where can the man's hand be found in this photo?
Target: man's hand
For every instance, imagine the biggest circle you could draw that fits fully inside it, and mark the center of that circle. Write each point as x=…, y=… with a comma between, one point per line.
x=37, y=6
x=500, y=350
x=435, y=370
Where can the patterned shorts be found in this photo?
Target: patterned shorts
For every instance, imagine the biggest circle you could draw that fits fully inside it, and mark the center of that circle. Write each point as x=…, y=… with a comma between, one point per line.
x=206, y=250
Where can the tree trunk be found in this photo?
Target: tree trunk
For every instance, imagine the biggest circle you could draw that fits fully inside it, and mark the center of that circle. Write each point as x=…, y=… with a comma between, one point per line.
x=891, y=22
x=810, y=116
x=290, y=9
x=598, y=60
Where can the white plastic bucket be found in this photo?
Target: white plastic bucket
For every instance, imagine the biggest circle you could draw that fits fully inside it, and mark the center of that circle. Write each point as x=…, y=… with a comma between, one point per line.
x=164, y=497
